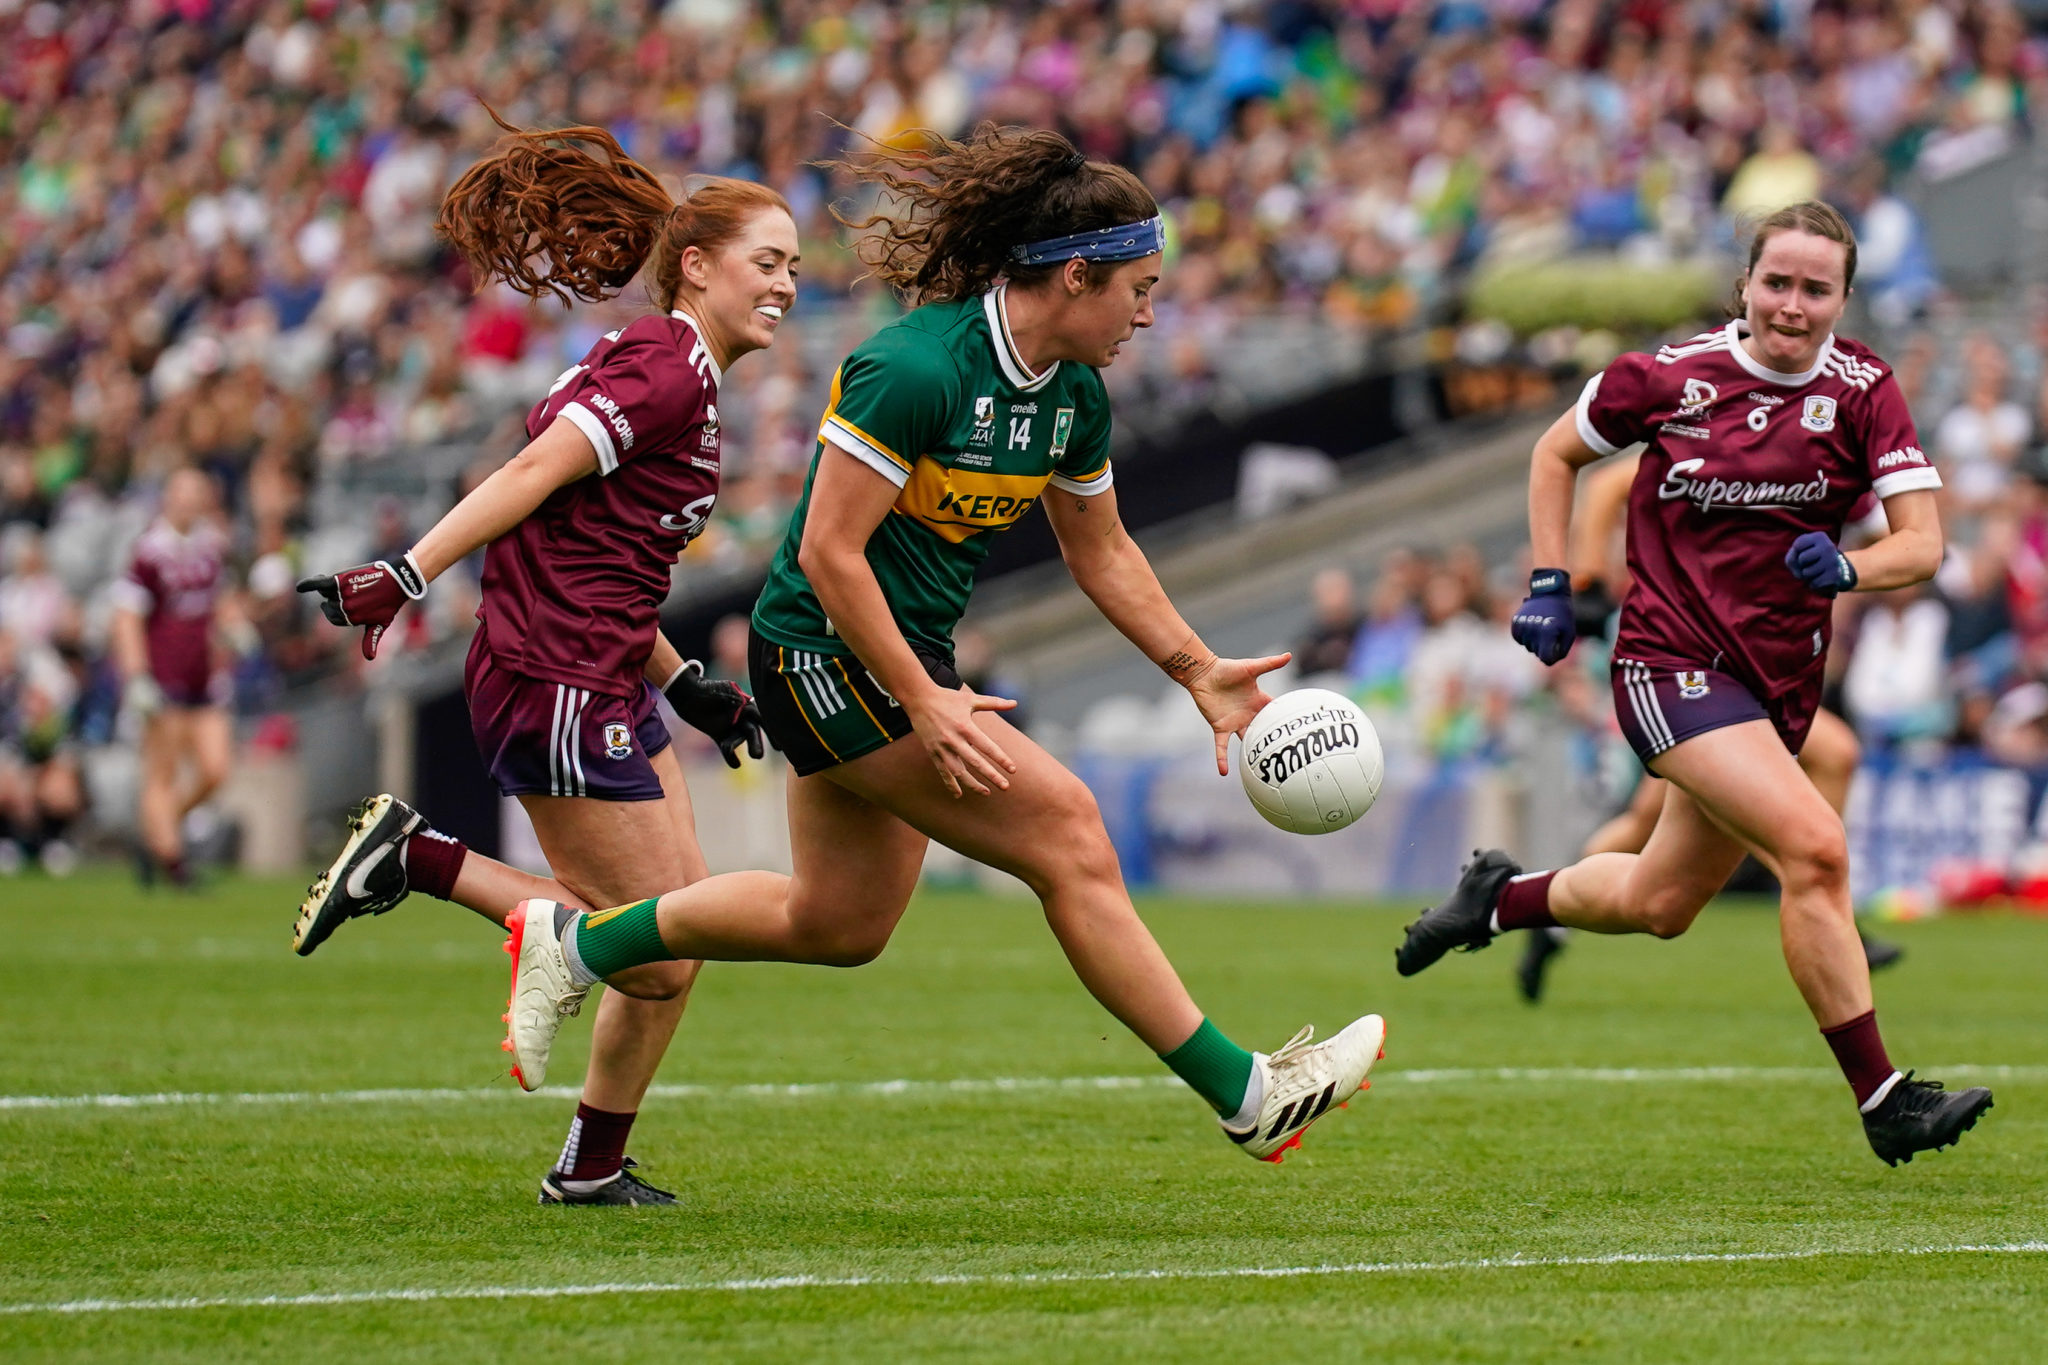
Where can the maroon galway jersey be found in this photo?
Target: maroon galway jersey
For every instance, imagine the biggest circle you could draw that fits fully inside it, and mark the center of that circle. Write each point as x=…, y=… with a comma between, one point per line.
x=1742, y=461
x=173, y=582
x=571, y=594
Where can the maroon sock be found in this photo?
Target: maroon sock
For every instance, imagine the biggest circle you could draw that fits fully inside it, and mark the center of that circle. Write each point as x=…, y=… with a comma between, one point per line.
x=597, y=1144
x=432, y=860
x=1860, y=1053
x=1525, y=902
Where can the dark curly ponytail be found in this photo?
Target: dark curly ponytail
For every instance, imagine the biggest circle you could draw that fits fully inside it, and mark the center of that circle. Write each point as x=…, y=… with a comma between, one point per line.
x=961, y=206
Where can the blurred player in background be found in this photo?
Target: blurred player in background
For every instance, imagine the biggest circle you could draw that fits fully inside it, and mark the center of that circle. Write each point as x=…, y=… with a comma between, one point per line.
x=170, y=612
x=1031, y=265
x=41, y=792
x=1762, y=437
x=583, y=526
x=1599, y=546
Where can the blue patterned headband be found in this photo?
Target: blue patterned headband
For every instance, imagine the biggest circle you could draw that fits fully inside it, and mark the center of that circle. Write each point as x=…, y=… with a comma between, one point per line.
x=1125, y=243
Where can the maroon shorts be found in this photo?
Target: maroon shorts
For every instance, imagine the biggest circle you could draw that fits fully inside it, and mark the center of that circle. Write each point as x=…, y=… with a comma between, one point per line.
x=1660, y=707
x=543, y=738
x=185, y=685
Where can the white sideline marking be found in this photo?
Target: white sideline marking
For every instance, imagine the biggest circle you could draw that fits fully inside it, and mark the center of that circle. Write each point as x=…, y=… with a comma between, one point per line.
x=567, y=1291
x=996, y=1085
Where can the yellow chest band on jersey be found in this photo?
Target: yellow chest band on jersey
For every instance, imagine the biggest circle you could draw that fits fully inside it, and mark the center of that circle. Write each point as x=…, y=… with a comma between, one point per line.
x=958, y=503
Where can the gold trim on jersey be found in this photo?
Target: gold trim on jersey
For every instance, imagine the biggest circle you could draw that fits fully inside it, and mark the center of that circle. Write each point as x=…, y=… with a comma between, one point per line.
x=957, y=503
x=1092, y=475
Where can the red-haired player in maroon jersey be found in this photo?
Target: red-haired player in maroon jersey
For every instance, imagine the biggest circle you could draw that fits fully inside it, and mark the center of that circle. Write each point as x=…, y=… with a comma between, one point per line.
x=583, y=526
x=1761, y=437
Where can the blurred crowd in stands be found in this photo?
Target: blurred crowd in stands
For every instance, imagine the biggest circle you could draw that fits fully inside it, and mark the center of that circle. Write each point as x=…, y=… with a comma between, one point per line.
x=216, y=242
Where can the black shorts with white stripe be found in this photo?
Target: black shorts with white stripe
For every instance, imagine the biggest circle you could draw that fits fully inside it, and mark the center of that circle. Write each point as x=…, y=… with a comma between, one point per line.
x=821, y=710
x=1660, y=707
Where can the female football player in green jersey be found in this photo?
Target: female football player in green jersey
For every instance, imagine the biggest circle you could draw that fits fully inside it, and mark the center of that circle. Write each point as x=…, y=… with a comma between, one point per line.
x=1032, y=266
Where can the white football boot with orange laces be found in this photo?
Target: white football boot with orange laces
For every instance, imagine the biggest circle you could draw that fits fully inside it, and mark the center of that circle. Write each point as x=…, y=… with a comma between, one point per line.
x=1304, y=1080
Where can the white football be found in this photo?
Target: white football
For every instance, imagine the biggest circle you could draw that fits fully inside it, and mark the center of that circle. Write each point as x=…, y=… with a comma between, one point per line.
x=1311, y=762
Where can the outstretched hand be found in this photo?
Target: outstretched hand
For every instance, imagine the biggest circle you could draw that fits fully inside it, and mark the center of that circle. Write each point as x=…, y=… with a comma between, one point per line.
x=966, y=756
x=1229, y=695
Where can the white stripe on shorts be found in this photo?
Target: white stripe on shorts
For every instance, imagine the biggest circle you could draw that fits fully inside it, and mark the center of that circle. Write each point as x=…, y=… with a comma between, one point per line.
x=801, y=672
x=555, y=745
x=575, y=740
x=829, y=684
x=823, y=701
x=1642, y=694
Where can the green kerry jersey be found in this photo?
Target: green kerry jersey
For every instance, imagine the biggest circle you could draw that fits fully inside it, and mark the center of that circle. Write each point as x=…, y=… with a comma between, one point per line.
x=940, y=403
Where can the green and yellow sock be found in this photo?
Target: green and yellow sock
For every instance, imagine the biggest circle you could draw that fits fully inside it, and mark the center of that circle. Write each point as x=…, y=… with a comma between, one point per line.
x=603, y=942
x=1214, y=1067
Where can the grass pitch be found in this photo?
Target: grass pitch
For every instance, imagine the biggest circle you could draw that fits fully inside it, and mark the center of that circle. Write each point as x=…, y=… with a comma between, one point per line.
x=1673, y=1214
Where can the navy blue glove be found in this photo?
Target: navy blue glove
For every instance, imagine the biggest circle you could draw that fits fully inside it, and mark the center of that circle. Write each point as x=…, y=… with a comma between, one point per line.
x=1543, y=624
x=1819, y=563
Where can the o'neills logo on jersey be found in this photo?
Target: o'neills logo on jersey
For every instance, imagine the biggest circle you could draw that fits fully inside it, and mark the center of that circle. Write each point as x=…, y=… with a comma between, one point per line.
x=1707, y=494
x=1287, y=749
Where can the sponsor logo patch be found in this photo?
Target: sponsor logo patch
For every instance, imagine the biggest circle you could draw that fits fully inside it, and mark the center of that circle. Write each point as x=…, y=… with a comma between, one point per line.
x=1692, y=684
x=1907, y=455
x=618, y=740
x=1818, y=413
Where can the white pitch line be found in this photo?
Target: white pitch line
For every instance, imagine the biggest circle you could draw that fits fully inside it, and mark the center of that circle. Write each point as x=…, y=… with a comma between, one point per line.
x=994, y=1085
x=568, y=1291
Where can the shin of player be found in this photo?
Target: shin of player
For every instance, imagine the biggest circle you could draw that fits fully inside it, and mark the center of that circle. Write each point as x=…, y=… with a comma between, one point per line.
x=1761, y=437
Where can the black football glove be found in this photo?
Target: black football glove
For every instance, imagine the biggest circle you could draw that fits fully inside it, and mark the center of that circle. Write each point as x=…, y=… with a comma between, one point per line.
x=1543, y=624
x=369, y=595
x=722, y=710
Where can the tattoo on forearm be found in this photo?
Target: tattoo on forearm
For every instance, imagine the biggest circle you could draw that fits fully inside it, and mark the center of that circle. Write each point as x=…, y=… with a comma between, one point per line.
x=1184, y=665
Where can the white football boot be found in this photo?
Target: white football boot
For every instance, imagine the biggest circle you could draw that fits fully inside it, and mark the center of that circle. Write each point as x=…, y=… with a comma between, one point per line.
x=1304, y=1080
x=543, y=991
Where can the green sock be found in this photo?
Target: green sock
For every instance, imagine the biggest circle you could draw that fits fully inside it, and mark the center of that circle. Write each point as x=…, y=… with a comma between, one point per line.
x=1214, y=1067
x=608, y=941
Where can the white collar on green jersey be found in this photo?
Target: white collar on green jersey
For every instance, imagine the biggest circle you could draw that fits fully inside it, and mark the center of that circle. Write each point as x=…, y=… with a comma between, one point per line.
x=717, y=375
x=1738, y=328
x=1007, y=354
